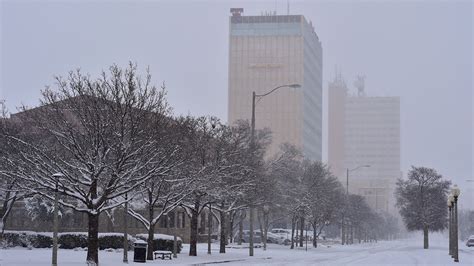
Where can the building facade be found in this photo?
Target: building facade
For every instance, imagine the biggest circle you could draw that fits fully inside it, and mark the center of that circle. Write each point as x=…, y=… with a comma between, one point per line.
x=269, y=51
x=365, y=131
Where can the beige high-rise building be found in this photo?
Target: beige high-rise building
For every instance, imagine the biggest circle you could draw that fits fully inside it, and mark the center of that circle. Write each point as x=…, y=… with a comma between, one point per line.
x=269, y=51
x=365, y=131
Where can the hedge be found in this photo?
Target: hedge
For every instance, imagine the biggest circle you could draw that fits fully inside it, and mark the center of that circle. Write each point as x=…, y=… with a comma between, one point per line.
x=65, y=240
x=163, y=242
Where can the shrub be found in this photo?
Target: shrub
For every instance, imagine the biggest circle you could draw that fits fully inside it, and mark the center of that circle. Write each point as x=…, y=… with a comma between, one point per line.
x=40, y=241
x=27, y=239
x=72, y=240
x=12, y=239
x=65, y=240
x=163, y=242
x=113, y=241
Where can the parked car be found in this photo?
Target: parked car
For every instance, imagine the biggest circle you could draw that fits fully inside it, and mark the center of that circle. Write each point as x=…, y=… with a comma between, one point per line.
x=283, y=234
x=470, y=241
x=257, y=237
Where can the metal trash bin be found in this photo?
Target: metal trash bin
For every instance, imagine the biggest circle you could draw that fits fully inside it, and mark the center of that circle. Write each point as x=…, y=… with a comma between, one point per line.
x=139, y=251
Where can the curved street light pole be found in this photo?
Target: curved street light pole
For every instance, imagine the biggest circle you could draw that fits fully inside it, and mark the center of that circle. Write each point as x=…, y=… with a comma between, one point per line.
x=54, y=260
x=252, y=143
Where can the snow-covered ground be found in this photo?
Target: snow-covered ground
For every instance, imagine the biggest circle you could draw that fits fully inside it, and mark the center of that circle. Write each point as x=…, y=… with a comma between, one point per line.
x=399, y=252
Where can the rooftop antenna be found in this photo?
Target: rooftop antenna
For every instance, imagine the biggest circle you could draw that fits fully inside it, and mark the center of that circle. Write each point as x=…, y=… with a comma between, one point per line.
x=288, y=7
x=359, y=83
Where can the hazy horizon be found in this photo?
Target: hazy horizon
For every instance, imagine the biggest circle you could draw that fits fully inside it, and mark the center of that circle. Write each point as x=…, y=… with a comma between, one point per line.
x=420, y=51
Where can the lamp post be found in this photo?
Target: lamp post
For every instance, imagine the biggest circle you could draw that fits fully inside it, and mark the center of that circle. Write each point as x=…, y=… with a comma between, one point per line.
x=54, y=260
x=252, y=143
x=450, y=223
x=343, y=231
x=209, y=229
x=175, y=237
x=125, y=230
x=456, y=191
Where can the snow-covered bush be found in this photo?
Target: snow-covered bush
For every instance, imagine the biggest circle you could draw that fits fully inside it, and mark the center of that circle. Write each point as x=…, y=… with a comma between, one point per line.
x=72, y=240
x=162, y=242
x=40, y=241
x=28, y=239
x=12, y=239
x=69, y=240
x=113, y=240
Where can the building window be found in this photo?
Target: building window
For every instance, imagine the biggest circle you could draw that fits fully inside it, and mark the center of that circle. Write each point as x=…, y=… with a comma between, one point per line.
x=171, y=220
x=181, y=220
x=163, y=221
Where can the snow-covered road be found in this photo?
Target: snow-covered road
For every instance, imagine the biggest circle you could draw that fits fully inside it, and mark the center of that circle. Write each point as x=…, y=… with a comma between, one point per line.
x=399, y=252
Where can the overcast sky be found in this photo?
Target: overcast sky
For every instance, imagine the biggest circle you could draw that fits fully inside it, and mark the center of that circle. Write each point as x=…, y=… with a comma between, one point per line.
x=420, y=51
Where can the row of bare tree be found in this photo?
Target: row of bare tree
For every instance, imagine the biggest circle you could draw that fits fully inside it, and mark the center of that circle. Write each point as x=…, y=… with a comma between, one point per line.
x=114, y=140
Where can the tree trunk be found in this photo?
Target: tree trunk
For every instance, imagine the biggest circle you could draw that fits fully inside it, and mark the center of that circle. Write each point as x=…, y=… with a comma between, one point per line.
x=301, y=231
x=151, y=236
x=231, y=227
x=7, y=207
x=209, y=229
x=3, y=221
x=151, y=232
x=352, y=234
x=194, y=230
x=293, y=233
x=260, y=224
x=241, y=230
x=425, y=237
x=265, y=229
x=343, y=232
x=93, y=239
x=315, y=242
x=223, y=232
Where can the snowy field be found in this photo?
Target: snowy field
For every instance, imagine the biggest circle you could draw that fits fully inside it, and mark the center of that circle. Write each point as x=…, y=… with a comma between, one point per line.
x=400, y=252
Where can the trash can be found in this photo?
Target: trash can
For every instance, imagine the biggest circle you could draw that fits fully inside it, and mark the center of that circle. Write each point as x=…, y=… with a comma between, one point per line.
x=139, y=251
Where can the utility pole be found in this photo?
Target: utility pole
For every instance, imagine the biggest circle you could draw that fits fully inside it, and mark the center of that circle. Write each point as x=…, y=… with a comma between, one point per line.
x=125, y=230
x=252, y=143
x=175, y=238
x=54, y=260
x=209, y=230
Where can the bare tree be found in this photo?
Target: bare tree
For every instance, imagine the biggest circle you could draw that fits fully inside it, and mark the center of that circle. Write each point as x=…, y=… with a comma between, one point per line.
x=101, y=139
x=10, y=191
x=422, y=199
x=162, y=193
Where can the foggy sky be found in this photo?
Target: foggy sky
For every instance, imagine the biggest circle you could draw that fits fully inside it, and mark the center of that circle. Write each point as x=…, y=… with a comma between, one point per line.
x=420, y=51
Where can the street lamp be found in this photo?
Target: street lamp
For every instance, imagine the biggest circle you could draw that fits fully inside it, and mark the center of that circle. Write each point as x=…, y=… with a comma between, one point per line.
x=343, y=232
x=450, y=223
x=352, y=170
x=54, y=261
x=125, y=228
x=456, y=192
x=252, y=143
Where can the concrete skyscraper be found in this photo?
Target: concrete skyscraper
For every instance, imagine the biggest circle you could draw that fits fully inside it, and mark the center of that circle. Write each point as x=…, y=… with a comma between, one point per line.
x=365, y=131
x=268, y=51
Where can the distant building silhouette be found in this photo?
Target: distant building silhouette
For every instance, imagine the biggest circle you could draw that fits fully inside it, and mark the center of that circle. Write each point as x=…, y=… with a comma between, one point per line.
x=365, y=131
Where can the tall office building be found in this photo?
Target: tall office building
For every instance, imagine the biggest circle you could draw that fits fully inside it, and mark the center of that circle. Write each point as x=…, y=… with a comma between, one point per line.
x=365, y=131
x=268, y=51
